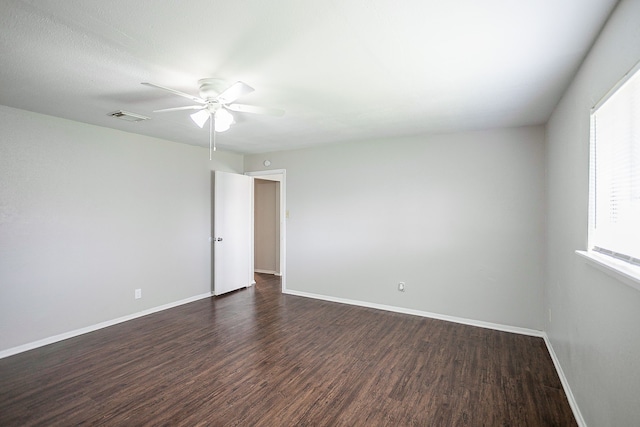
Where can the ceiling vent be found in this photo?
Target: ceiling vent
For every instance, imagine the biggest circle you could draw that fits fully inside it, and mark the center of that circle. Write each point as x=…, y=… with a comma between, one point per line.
x=129, y=117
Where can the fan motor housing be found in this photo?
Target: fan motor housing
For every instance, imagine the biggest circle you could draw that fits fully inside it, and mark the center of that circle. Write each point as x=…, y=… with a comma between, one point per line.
x=211, y=88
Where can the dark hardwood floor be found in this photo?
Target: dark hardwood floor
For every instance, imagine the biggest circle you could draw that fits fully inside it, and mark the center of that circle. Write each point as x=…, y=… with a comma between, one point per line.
x=259, y=358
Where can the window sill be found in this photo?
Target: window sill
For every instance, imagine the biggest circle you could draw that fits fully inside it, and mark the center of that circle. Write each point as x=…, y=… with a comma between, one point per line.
x=626, y=273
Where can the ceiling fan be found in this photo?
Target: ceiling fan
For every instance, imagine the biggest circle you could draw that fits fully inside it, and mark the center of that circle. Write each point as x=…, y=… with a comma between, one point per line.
x=215, y=102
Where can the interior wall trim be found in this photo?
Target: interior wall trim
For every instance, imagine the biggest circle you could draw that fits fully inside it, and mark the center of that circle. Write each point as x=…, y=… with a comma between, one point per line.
x=402, y=310
x=565, y=383
x=66, y=335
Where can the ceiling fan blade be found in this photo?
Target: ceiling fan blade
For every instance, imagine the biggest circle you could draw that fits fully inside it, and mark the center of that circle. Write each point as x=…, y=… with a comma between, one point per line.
x=243, y=108
x=177, y=92
x=234, y=92
x=189, y=107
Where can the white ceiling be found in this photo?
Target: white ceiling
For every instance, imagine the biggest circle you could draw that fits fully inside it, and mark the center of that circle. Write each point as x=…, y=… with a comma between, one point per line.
x=342, y=69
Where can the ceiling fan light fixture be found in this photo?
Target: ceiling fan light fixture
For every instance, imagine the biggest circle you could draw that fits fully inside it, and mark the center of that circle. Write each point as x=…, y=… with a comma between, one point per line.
x=224, y=120
x=215, y=105
x=222, y=127
x=200, y=117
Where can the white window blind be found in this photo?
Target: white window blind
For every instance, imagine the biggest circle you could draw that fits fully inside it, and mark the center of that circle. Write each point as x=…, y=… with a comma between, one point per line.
x=615, y=172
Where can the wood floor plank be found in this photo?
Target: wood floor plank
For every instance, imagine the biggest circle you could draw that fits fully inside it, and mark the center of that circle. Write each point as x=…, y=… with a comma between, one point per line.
x=259, y=358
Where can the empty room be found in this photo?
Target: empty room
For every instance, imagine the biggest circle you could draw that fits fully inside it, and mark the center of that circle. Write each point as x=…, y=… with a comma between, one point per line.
x=340, y=213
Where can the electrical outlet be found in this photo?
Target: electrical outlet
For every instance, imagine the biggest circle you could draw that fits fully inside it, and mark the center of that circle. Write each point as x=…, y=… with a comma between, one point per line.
x=138, y=293
x=401, y=286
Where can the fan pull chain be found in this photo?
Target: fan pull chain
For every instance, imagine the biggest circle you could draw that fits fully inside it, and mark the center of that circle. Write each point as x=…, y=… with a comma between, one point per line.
x=212, y=135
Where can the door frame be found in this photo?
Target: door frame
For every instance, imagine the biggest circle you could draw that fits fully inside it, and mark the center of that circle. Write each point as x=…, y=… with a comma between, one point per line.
x=279, y=175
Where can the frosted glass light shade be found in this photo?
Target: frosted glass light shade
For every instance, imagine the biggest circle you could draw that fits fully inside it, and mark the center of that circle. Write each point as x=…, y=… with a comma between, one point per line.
x=224, y=120
x=201, y=117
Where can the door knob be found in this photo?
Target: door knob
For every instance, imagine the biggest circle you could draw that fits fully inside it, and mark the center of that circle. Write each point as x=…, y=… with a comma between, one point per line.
x=218, y=239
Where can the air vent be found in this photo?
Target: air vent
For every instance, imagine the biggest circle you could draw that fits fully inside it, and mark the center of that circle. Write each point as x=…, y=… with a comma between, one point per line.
x=129, y=117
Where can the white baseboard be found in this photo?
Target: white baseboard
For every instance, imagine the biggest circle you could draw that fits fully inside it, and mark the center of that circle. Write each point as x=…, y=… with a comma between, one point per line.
x=85, y=330
x=462, y=320
x=565, y=384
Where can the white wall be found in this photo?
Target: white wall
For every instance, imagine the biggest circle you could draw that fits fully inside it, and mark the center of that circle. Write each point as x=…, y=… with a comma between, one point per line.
x=88, y=214
x=595, y=320
x=459, y=218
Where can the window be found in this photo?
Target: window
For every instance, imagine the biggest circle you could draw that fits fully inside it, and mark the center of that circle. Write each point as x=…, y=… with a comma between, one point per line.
x=614, y=190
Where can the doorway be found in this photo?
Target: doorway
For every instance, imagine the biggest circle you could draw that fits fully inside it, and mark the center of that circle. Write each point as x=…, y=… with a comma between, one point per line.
x=266, y=228
x=270, y=223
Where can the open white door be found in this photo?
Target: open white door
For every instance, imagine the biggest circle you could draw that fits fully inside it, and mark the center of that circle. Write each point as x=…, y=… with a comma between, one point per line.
x=232, y=232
